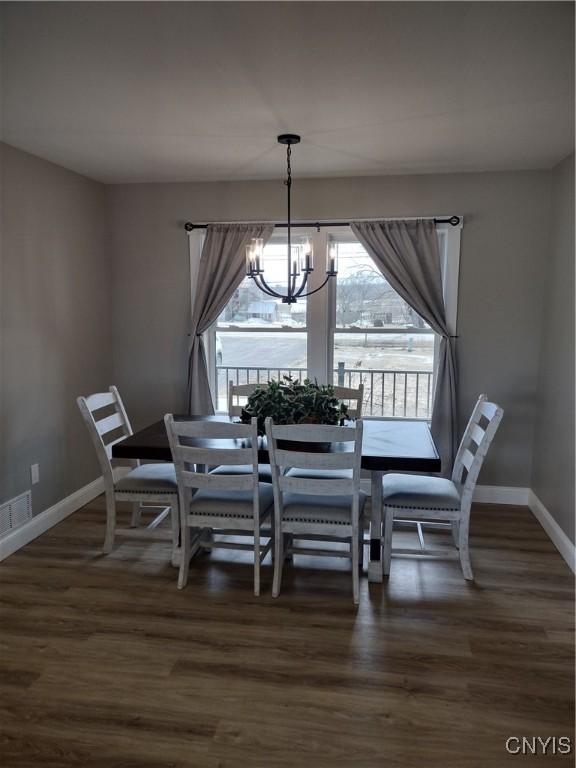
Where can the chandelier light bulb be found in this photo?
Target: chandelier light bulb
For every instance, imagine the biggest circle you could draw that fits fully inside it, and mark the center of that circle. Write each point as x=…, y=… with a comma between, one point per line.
x=332, y=265
x=308, y=265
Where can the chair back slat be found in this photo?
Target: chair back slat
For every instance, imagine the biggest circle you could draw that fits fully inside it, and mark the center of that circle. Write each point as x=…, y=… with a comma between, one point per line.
x=219, y=482
x=245, y=452
x=100, y=426
x=467, y=459
x=474, y=446
x=237, y=391
x=488, y=410
x=188, y=454
x=477, y=434
x=353, y=397
x=213, y=430
x=282, y=459
x=314, y=433
x=110, y=423
x=316, y=487
x=314, y=460
x=100, y=400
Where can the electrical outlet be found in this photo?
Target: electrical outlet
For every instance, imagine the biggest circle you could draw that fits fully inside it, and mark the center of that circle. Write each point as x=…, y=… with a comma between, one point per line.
x=34, y=473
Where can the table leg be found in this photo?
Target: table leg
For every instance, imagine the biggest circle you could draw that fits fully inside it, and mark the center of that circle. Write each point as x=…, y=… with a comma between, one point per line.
x=375, y=564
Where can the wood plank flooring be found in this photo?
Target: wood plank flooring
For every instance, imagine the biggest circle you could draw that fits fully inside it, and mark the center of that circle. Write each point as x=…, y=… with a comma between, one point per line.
x=103, y=662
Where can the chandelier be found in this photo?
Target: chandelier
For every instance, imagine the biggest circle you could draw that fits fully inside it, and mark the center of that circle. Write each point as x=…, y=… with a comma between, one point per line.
x=300, y=258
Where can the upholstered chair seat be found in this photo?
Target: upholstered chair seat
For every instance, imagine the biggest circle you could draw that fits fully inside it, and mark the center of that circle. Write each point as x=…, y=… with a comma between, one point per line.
x=328, y=510
x=149, y=478
x=236, y=504
x=420, y=492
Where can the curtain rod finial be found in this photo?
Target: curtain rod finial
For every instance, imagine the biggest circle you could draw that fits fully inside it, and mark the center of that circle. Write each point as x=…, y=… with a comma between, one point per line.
x=188, y=226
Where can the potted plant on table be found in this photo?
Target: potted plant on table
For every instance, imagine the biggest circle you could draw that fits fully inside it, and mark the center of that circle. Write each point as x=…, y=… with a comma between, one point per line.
x=294, y=402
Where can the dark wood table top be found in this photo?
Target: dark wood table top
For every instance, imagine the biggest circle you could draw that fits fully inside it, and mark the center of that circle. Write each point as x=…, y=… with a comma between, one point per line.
x=387, y=445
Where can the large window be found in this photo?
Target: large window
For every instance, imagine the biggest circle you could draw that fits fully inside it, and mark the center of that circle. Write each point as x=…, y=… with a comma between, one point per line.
x=355, y=330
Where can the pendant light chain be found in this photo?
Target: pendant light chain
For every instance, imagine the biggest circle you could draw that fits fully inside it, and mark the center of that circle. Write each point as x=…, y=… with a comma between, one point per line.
x=288, y=181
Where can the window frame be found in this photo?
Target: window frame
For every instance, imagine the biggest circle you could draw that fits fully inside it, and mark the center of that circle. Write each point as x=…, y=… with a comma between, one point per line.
x=321, y=308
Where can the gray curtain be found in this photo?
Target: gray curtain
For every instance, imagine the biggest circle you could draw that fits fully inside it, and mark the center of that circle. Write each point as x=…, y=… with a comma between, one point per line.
x=221, y=269
x=406, y=252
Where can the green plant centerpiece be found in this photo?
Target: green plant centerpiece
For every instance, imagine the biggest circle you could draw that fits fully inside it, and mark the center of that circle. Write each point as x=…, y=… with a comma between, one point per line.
x=290, y=401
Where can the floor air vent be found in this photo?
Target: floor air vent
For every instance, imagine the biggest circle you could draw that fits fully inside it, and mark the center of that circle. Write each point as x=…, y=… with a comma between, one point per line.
x=15, y=512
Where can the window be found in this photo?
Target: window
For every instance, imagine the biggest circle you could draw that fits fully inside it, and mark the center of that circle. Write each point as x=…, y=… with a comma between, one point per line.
x=257, y=337
x=355, y=330
x=379, y=340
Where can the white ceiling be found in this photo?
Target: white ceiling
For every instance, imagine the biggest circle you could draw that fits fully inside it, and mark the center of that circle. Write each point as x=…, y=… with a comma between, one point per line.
x=198, y=91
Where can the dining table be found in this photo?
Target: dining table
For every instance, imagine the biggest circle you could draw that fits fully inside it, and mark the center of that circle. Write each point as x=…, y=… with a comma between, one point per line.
x=388, y=445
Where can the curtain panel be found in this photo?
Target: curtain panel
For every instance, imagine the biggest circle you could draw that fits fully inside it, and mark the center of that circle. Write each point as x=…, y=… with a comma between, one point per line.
x=221, y=270
x=407, y=254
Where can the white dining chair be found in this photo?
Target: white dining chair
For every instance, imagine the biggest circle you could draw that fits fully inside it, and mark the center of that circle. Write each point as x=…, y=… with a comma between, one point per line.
x=238, y=392
x=235, y=392
x=423, y=498
x=219, y=504
x=353, y=397
x=316, y=508
x=147, y=486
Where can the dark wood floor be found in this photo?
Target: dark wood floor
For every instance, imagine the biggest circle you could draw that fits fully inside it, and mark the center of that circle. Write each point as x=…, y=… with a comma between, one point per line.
x=105, y=663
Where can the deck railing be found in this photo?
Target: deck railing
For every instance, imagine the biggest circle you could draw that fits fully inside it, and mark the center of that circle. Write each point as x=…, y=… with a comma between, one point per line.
x=387, y=393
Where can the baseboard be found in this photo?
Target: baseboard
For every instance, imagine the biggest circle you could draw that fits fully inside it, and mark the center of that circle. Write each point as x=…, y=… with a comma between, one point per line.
x=19, y=537
x=502, y=494
x=557, y=536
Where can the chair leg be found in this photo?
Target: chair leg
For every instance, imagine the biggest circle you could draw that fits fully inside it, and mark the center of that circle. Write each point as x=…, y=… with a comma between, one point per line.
x=464, y=552
x=257, y=558
x=456, y=533
x=288, y=542
x=184, y=557
x=354, y=545
x=110, y=522
x=136, y=514
x=278, y=558
x=361, y=545
x=387, y=548
x=175, y=522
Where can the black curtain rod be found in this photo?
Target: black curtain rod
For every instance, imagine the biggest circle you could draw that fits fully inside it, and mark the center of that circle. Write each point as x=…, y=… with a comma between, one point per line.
x=453, y=220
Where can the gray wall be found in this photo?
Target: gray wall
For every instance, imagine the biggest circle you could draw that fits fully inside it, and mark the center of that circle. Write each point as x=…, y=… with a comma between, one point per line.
x=130, y=302
x=553, y=469
x=55, y=328
x=500, y=300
